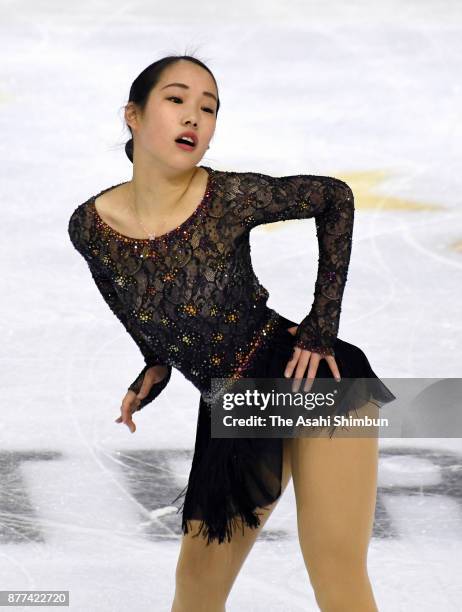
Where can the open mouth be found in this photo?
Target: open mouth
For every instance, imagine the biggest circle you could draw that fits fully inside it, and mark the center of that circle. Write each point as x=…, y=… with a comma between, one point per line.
x=187, y=140
x=185, y=143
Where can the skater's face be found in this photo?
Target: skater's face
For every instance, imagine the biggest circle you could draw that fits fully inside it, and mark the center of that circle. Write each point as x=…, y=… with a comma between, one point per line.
x=172, y=110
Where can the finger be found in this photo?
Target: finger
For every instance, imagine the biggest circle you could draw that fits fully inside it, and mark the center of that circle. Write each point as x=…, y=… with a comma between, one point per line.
x=127, y=420
x=301, y=368
x=127, y=409
x=129, y=404
x=333, y=366
x=131, y=425
x=121, y=418
x=292, y=362
x=312, y=370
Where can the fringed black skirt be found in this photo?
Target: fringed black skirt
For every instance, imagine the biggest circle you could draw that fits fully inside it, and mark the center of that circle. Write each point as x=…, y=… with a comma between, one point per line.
x=232, y=478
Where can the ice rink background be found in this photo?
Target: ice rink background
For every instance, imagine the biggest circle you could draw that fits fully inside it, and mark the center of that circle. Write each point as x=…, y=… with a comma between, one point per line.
x=368, y=92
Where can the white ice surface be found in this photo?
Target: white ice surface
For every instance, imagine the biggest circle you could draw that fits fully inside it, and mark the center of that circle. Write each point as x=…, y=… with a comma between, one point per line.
x=365, y=91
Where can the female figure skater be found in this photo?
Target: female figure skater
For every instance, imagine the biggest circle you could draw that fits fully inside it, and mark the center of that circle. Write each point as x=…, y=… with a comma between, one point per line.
x=169, y=252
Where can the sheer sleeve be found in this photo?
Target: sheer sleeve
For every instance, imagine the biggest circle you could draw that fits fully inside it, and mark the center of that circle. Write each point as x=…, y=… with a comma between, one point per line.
x=331, y=202
x=76, y=232
x=107, y=291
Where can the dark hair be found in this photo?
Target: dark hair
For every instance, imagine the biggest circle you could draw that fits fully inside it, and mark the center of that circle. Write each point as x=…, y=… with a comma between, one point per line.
x=148, y=78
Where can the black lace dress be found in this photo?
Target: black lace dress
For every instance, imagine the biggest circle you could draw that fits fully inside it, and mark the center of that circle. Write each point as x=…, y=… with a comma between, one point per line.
x=191, y=300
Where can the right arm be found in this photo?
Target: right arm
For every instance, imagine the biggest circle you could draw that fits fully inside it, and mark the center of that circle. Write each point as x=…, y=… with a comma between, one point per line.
x=77, y=232
x=107, y=291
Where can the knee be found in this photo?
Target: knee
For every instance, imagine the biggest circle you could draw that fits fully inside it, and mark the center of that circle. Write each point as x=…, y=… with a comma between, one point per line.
x=337, y=579
x=197, y=577
x=341, y=597
x=200, y=581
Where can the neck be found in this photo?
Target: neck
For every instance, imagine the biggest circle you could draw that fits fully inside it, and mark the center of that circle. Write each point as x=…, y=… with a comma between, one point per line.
x=153, y=192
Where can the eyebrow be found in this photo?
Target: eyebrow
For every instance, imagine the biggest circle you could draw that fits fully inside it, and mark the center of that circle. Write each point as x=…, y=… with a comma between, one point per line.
x=206, y=93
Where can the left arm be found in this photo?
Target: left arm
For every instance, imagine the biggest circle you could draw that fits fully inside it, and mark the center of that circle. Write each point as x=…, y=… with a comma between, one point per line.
x=331, y=202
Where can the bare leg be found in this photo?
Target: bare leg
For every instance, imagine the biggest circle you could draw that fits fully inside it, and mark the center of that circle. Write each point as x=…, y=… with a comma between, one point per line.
x=206, y=574
x=335, y=483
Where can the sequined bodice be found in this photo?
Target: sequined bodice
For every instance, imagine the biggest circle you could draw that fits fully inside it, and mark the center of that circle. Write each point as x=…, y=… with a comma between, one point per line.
x=190, y=298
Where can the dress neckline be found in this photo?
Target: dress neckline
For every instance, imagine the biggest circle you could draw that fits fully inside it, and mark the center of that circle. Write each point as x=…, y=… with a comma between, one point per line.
x=105, y=227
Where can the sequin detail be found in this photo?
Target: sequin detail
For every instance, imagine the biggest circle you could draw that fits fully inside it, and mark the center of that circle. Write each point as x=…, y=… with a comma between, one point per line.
x=145, y=246
x=245, y=360
x=190, y=298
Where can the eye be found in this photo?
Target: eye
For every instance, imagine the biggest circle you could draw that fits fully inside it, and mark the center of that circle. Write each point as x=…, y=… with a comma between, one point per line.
x=206, y=108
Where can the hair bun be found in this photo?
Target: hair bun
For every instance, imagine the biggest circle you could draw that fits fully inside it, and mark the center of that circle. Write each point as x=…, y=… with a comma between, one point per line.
x=129, y=149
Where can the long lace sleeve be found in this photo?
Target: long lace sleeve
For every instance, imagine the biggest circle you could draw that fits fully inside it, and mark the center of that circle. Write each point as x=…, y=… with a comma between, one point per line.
x=331, y=202
x=150, y=358
x=76, y=232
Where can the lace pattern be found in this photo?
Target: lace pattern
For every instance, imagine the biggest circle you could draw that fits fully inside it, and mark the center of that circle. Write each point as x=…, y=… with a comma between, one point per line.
x=190, y=298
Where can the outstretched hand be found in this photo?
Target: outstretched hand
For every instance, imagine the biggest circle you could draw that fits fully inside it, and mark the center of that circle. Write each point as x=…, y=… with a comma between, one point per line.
x=131, y=401
x=303, y=358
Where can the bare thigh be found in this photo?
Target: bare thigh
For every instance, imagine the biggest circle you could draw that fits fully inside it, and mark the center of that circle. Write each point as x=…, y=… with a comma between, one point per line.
x=335, y=484
x=216, y=566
